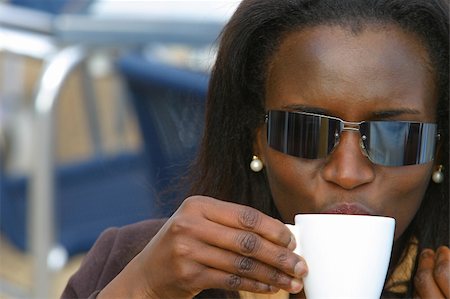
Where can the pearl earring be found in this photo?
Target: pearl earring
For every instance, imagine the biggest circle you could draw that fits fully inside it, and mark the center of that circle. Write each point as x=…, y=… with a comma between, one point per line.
x=256, y=165
x=438, y=175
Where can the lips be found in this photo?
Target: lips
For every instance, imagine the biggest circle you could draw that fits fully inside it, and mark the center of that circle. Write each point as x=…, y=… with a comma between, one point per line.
x=349, y=209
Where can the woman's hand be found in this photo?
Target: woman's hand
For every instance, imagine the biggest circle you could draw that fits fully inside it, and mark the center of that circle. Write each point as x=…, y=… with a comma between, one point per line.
x=432, y=279
x=210, y=243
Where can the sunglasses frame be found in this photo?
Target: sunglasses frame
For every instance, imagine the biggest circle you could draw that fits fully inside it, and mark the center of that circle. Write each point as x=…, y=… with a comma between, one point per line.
x=357, y=127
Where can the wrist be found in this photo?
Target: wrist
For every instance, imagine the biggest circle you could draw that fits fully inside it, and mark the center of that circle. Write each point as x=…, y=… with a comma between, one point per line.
x=129, y=283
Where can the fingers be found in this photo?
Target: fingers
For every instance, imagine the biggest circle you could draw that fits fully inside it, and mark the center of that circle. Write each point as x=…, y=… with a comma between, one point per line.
x=250, y=244
x=425, y=285
x=248, y=268
x=245, y=218
x=228, y=281
x=442, y=270
x=239, y=246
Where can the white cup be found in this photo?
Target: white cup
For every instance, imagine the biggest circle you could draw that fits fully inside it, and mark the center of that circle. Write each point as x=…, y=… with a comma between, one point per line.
x=347, y=255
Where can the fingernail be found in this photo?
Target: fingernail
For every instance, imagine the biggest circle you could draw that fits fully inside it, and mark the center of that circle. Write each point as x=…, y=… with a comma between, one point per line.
x=300, y=269
x=427, y=253
x=265, y=287
x=273, y=289
x=292, y=244
x=440, y=253
x=296, y=286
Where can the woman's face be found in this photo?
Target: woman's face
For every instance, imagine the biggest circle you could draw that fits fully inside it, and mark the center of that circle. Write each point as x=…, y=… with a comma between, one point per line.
x=378, y=73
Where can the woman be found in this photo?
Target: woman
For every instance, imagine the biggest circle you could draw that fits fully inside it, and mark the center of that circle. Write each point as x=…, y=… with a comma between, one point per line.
x=379, y=67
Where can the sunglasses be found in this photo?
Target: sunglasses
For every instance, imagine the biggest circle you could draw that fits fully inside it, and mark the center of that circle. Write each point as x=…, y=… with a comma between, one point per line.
x=387, y=143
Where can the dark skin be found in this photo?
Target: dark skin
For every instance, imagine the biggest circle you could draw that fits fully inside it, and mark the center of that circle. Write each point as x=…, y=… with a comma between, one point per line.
x=380, y=73
x=207, y=243
x=340, y=77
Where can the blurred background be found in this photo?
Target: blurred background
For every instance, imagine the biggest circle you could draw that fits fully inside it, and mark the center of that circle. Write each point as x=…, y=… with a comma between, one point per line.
x=101, y=111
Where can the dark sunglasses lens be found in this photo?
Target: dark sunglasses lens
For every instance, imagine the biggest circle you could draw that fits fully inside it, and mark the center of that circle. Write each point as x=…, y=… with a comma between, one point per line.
x=395, y=143
x=301, y=135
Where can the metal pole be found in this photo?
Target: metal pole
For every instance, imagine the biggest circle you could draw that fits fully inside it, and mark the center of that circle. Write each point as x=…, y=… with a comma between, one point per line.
x=91, y=108
x=41, y=214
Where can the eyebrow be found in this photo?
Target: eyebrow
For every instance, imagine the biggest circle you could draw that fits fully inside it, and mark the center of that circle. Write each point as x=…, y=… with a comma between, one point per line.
x=305, y=108
x=394, y=113
x=382, y=114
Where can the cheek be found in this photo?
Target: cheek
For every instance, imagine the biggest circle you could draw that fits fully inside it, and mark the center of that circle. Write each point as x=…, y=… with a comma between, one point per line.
x=292, y=183
x=407, y=187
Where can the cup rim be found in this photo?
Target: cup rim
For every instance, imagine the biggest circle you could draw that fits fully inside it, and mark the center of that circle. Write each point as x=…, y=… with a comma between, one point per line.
x=330, y=215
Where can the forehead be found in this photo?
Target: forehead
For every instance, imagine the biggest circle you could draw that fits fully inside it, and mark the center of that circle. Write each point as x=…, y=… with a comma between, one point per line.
x=331, y=67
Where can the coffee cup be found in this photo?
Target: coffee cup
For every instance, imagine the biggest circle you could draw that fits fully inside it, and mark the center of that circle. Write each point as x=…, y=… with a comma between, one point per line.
x=347, y=255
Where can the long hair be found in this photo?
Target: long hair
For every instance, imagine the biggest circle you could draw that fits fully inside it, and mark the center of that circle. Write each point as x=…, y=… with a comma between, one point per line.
x=235, y=101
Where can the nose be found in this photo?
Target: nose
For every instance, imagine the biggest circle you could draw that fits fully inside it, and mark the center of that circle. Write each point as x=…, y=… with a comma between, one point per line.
x=347, y=166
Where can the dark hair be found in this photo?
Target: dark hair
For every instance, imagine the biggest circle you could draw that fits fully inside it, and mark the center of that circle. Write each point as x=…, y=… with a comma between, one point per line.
x=235, y=106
